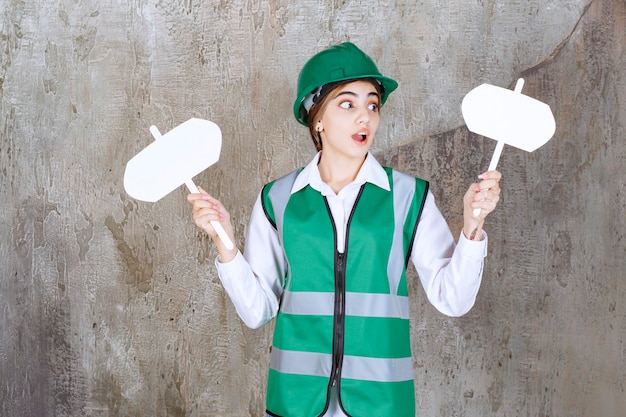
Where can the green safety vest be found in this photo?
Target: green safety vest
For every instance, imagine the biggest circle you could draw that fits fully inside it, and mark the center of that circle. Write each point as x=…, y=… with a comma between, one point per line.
x=344, y=317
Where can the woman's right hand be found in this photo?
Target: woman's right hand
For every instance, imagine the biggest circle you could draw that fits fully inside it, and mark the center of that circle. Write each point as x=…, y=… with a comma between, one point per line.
x=206, y=209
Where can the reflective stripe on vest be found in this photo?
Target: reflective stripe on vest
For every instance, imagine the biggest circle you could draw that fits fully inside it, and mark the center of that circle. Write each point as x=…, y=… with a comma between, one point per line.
x=350, y=321
x=354, y=367
x=357, y=304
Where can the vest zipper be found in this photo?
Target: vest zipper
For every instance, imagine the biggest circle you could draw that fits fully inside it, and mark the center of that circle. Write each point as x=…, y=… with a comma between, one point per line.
x=339, y=320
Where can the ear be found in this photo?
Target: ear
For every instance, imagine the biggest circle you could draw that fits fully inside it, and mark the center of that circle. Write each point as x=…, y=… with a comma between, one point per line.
x=319, y=126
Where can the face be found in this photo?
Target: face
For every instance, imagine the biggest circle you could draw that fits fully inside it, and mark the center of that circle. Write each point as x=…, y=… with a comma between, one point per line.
x=350, y=120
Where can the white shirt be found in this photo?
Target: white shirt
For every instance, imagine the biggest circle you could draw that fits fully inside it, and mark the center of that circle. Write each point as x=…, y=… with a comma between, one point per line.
x=449, y=273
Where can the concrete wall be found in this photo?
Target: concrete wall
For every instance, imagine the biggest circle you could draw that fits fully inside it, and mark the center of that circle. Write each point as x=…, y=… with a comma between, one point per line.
x=112, y=307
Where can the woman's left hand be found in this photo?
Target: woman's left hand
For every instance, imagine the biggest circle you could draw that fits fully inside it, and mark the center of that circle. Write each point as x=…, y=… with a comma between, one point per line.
x=483, y=196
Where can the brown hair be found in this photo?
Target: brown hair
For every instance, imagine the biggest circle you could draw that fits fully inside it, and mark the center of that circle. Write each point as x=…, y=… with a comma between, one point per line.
x=319, y=106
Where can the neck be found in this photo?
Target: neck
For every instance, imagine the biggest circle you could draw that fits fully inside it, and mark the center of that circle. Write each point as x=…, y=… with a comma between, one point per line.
x=338, y=173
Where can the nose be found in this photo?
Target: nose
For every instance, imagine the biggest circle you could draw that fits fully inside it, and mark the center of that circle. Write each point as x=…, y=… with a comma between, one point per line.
x=363, y=116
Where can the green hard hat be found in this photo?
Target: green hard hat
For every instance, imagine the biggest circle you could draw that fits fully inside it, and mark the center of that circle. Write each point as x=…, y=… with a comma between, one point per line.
x=338, y=63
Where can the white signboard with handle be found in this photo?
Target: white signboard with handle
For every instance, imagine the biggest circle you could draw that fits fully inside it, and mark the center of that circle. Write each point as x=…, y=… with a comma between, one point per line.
x=509, y=117
x=174, y=159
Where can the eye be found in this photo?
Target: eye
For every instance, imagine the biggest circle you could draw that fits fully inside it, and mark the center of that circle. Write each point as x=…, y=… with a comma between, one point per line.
x=373, y=106
x=345, y=105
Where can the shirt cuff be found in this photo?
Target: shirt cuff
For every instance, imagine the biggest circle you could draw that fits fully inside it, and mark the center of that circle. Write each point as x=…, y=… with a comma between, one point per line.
x=473, y=248
x=233, y=268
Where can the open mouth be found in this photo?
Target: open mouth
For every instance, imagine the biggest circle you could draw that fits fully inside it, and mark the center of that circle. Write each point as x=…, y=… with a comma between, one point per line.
x=360, y=137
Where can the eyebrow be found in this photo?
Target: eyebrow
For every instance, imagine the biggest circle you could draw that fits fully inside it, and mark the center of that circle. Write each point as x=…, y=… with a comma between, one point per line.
x=351, y=93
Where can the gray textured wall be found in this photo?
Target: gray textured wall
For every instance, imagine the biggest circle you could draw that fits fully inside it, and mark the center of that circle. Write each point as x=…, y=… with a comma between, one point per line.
x=111, y=307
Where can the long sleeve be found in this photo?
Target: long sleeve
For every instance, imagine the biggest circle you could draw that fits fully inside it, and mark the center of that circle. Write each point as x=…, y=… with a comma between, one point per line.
x=450, y=273
x=254, y=280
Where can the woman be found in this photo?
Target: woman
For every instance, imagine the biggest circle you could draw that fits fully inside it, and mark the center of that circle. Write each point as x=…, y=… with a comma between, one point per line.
x=327, y=250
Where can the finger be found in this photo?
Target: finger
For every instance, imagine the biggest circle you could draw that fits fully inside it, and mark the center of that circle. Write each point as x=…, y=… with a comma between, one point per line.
x=201, y=204
x=204, y=217
x=216, y=205
x=202, y=191
x=485, y=206
x=193, y=197
x=206, y=194
x=487, y=200
x=489, y=184
x=199, y=195
x=487, y=194
x=210, y=207
x=490, y=175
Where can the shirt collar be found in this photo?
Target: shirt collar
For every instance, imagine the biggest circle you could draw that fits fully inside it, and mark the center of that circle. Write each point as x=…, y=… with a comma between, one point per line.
x=371, y=171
